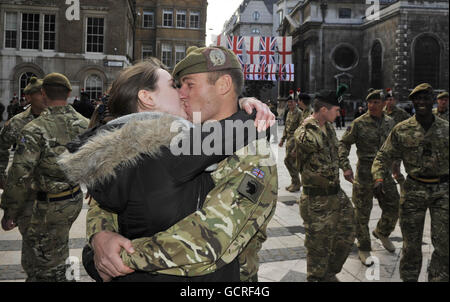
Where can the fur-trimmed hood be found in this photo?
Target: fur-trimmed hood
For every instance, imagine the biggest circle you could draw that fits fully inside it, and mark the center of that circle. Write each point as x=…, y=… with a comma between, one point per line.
x=134, y=135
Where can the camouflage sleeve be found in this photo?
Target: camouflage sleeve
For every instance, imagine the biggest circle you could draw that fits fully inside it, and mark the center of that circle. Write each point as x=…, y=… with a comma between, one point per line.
x=98, y=219
x=7, y=139
x=20, y=174
x=234, y=211
x=305, y=140
x=389, y=152
x=345, y=145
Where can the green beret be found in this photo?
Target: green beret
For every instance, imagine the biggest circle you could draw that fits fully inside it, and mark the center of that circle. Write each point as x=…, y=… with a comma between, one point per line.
x=442, y=95
x=206, y=59
x=33, y=86
x=375, y=95
x=54, y=79
x=424, y=87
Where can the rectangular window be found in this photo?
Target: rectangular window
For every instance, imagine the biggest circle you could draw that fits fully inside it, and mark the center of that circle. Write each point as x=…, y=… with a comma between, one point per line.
x=11, y=30
x=180, y=53
x=148, y=19
x=166, y=55
x=30, y=31
x=345, y=13
x=194, y=18
x=147, y=51
x=167, y=18
x=49, y=31
x=95, y=34
x=181, y=18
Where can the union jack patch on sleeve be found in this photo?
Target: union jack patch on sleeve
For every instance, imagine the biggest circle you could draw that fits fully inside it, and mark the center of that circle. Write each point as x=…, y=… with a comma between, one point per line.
x=258, y=173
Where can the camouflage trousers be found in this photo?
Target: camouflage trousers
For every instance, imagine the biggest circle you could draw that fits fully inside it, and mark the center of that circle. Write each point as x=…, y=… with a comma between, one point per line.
x=416, y=199
x=330, y=233
x=291, y=162
x=23, y=223
x=48, y=236
x=362, y=197
x=249, y=259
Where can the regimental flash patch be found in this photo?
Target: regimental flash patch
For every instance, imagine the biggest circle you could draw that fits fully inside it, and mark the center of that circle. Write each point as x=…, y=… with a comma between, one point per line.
x=258, y=173
x=250, y=188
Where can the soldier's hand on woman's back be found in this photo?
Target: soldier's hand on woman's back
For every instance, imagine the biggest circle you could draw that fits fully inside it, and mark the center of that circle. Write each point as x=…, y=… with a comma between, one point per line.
x=348, y=175
x=8, y=224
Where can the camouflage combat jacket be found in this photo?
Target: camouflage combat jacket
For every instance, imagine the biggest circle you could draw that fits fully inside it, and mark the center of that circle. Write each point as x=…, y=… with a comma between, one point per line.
x=40, y=143
x=368, y=134
x=229, y=224
x=307, y=113
x=424, y=154
x=9, y=134
x=442, y=115
x=293, y=121
x=318, y=154
x=398, y=114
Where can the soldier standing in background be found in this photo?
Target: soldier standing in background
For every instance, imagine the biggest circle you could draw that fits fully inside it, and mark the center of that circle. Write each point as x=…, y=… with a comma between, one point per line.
x=8, y=137
x=12, y=107
x=442, y=108
x=422, y=142
x=58, y=202
x=369, y=132
x=326, y=210
x=293, y=121
x=304, y=103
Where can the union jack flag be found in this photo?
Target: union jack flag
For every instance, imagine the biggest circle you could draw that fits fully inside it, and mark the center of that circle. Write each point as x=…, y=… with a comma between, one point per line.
x=286, y=72
x=236, y=45
x=267, y=50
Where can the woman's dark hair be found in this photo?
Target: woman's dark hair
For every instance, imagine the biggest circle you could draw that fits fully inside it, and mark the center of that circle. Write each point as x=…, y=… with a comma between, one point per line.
x=124, y=90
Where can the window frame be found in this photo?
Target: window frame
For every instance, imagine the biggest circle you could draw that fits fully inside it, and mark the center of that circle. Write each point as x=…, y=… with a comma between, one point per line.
x=86, y=88
x=148, y=13
x=16, y=30
x=87, y=34
x=343, y=16
x=177, y=47
x=44, y=32
x=194, y=14
x=167, y=12
x=22, y=31
x=181, y=13
x=170, y=57
x=256, y=16
x=143, y=51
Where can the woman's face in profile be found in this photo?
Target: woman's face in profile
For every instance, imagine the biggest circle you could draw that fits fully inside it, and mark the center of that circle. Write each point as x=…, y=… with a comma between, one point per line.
x=166, y=96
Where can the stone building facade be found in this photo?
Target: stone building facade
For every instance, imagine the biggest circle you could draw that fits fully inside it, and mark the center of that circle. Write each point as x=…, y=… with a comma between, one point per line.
x=397, y=45
x=88, y=40
x=166, y=28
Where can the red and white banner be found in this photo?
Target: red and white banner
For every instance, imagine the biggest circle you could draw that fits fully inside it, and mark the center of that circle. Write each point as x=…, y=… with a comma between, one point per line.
x=262, y=58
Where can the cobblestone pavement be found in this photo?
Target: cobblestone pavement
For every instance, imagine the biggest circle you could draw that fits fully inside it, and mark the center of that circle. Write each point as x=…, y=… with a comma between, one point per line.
x=283, y=255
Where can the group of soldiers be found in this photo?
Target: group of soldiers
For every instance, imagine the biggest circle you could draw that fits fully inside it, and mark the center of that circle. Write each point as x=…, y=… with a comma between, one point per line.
x=384, y=136
x=40, y=133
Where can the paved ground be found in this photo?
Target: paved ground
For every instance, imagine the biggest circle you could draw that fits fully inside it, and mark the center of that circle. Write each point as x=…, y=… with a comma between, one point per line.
x=283, y=256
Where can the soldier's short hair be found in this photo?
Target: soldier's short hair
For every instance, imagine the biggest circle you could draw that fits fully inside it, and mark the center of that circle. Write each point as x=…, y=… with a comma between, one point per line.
x=124, y=90
x=318, y=104
x=237, y=77
x=56, y=92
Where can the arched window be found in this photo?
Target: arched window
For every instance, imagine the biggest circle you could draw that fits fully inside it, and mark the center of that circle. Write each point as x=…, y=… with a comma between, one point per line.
x=376, y=56
x=24, y=80
x=427, y=61
x=94, y=86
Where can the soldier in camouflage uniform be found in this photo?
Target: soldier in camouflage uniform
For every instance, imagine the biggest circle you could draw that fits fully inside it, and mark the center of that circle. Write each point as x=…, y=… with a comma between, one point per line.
x=442, y=108
x=304, y=103
x=369, y=132
x=326, y=210
x=422, y=142
x=58, y=201
x=8, y=137
x=293, y=121
x=230, y=223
